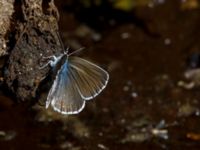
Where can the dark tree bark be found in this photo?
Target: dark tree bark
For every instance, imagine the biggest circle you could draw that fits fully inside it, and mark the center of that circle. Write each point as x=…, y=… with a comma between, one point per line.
x=6, y=12
x=35, y=37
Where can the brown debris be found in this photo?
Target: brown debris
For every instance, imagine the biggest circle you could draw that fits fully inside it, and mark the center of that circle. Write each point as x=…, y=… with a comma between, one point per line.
x=189, y=4
x=193, y=136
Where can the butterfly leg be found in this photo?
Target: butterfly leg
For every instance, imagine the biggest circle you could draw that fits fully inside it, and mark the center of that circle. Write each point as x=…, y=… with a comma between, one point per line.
x=50, y=62
x=51, y=57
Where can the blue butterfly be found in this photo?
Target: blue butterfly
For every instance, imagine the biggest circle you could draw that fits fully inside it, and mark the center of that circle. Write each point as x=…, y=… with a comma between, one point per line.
x=76, y=80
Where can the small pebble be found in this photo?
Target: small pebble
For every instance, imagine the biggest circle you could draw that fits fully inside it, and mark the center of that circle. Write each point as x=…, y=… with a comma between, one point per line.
x=125, y=88
x=167, y=41
x=101, y=146
x=186, y=110
x=125, y=35
x=134, y=94
x=7, y=136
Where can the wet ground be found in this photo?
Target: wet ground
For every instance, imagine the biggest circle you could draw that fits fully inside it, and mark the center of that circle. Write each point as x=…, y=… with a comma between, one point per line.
x=149, y=103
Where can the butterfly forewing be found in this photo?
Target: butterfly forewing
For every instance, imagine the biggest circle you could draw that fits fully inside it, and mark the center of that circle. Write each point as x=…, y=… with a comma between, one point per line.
x=64, y=96
x=89, y=78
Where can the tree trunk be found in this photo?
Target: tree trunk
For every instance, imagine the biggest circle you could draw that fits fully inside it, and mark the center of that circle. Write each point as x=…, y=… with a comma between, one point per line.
x=35, y=36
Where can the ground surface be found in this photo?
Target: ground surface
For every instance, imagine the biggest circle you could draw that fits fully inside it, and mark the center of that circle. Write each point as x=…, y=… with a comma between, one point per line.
x=148, y=104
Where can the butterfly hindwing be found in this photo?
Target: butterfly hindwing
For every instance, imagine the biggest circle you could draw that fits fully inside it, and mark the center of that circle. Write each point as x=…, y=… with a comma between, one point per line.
x=89, y=78
x=63, y=95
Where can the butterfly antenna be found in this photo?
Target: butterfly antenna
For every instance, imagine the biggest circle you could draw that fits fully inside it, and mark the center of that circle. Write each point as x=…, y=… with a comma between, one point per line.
x=76, y=51
x=59, y=38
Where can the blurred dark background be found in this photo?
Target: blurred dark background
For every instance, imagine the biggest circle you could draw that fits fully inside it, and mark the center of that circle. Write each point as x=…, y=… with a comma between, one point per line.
x=151, y=49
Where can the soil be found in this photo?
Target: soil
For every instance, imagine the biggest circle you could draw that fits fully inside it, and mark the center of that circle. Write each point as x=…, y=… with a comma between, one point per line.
x=148, y=103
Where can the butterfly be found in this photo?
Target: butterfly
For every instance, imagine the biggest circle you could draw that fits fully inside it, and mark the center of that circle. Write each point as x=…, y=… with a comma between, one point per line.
x=75, y=81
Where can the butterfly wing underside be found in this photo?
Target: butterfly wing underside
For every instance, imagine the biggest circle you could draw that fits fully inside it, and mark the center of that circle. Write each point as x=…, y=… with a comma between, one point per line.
x=77, y=80
x=63, y=95
x=90, y=79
